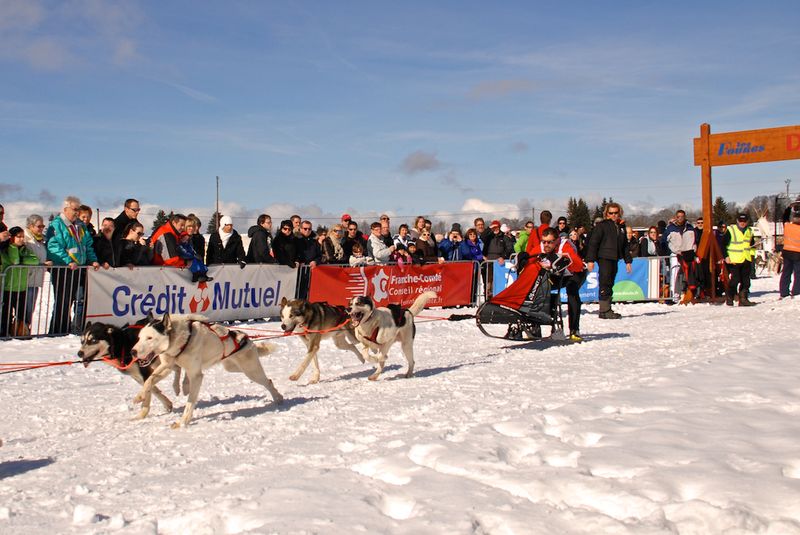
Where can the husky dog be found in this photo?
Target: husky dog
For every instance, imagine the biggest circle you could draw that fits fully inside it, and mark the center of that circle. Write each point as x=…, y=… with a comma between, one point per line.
x=194, y=344
x=114, y=343
x=379, y=328
x=319, y=321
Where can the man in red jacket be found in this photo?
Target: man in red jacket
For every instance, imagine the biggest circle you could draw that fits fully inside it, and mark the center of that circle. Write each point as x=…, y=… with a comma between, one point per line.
x=555, y=247
x=165, y=242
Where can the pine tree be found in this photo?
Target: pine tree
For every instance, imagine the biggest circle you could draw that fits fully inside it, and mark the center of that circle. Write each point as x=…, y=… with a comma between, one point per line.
x=721, y=211
x=213, y=223
x=598, y=210
x=161, y=218
x=580, y=215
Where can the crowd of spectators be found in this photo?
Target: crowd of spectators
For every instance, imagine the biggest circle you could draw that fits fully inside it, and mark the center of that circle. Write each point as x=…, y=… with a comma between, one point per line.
x=72, y=240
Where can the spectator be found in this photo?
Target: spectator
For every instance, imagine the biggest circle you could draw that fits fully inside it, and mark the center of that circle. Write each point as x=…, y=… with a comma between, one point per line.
x=632, y=241
x=375, y=246
x=470, y=247
x=650, y=245
x=196, y=266
x=34, y=241
x=332, y=251
x=225, y=245
x=15, y=283
x=386, y=232
x=679, y=239
x=606, y=246
x=791, y=251
x=129, y=214
x=739, y=250
x=69, y=244
x=522, y=239
x=403, y=238
x=427, y=250
x=358, y=258
x=133, y=248
x=85, y=215
x=284, y=246
x=192, y=228
x=296, y=222
x=104, y=247
x=260, y=249
x=505, y=229
x=165, y=242
x=414, y=254
x=352, y=237
x=308, y=249
x=449, y=247
x=562, y=228
x=345, y=220
x=419, y=226
x=533, y=247
x=496, y=245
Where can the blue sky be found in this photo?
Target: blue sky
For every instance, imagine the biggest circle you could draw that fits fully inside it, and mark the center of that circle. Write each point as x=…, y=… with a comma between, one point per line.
x=401, y=107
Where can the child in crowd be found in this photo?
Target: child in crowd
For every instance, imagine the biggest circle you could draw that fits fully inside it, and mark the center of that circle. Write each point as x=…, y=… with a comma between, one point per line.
x=415, y=255
x=358, y=258
x=196, y=266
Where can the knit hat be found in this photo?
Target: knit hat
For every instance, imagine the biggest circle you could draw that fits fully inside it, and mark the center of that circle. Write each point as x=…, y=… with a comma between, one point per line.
x=225, y=220
x=456, y=228
x=286, y=223
x=494, y=223
x=346, y=217
x=13, y=231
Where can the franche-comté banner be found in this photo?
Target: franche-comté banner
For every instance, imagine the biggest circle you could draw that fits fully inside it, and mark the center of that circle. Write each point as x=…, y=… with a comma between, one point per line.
x=122, y=295
x=400, y=285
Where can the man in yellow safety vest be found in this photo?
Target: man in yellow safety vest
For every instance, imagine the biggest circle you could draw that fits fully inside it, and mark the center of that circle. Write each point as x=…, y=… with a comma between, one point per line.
x=739, y=253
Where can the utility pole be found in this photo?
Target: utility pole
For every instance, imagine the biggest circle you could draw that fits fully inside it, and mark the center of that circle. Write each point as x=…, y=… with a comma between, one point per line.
x=788, y=182
x=216, y=212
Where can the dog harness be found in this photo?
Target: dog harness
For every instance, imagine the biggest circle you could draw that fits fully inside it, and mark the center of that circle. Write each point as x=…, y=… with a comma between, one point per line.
x=398, y=316
x=237, y=345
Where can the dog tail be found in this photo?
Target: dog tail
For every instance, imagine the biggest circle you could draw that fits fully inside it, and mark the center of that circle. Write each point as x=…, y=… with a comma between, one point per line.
x=265, y=348
x=420, y=301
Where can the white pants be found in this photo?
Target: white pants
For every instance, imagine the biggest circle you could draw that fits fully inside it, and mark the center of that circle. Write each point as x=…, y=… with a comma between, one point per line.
x=674, y=270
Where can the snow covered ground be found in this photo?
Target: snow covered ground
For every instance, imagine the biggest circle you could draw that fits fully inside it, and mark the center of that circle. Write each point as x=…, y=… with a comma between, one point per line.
x=673, y=420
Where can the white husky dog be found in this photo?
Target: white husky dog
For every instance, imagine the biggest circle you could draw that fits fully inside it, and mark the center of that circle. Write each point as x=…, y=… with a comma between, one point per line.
x=194, y=344
x=378, y=328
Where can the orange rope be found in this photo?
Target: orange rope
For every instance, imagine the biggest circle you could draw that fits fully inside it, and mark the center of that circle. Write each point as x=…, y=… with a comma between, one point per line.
x=11, y=367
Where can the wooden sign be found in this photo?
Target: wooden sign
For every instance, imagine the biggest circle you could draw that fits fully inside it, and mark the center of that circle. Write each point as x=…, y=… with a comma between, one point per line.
x=748, y=146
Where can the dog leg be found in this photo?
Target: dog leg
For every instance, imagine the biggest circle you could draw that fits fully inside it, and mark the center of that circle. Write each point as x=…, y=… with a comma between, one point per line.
x=341, y=342
x=162, y=398
x=408, y=350
x=379, y=368
x=159, y=373
x=136, y=374
x=176, y=380
x=195, y=381
x=251, y=367
x=312, y=346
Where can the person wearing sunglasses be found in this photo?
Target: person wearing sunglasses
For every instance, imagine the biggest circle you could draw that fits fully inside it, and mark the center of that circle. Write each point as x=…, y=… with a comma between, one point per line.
x=284, y=246
x=606, y=247
x=260, y=249
x=555, y=246
x=309, y=251
x=129, y=214
x=133, y=248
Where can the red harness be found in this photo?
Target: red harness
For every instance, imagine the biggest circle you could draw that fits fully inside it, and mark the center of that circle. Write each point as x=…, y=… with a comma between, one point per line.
x=236, y=344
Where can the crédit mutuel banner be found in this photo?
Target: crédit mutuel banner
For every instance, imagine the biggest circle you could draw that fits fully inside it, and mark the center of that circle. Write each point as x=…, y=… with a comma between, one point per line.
x=122, y=295
x=451, y=281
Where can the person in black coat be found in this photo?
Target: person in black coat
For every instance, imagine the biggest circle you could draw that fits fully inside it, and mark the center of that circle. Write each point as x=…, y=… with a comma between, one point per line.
x=309, y=251
x=225, y=245
x=607, y=245
x=260, y=249
x=284, y=246
x=104, y=247
x=129, y=214
x=133, y=249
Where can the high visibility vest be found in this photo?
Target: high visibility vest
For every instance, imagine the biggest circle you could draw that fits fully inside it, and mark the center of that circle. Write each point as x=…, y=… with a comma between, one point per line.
x=739, y=249
x=791, y=237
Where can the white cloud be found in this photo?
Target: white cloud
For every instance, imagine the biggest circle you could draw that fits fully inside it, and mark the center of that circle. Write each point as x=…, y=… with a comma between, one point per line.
x=420, y=161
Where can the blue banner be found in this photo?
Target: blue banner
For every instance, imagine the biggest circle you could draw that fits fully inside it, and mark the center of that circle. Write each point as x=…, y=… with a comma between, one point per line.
x=627, y=286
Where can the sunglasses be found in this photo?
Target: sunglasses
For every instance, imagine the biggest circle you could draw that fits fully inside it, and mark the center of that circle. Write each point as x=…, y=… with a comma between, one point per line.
x=548, y=241
x=352, y=229
x=305, y=228
x=135, y=209
x=286, y=228
x=616, y=212
x=384, y=219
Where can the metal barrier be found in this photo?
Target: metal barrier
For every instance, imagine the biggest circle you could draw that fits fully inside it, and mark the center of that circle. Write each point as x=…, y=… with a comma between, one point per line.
x=42, y=301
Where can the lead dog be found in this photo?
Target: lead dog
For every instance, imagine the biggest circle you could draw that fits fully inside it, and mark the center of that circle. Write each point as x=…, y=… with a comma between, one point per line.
x=194, y=344
x=378, y=328
x=103, y=341
x=319, y=321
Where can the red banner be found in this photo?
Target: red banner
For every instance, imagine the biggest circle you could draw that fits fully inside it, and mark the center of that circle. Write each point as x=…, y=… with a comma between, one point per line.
x=451, y=281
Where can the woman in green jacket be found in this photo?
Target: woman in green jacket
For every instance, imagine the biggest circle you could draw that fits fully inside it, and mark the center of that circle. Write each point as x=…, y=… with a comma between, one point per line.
x=15, y=281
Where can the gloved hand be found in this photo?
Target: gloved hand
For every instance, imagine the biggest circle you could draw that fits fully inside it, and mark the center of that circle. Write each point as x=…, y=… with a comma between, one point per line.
x=242, y=264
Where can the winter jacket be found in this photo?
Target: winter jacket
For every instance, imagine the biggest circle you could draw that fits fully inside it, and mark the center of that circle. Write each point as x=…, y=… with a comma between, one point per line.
x=132, y=253
x=308, y=249
x=362, y=260
x=450, y=249
x=379, y=251
x=496, y=245
x=258, y=252
x=232, y=253
x=285, y=249
x=471, y=251
x=39, y=248
x=522, y=241
x=165, y=247
x=69, y=242
x=331, y=254
x=106, y=250
x=16, y=280
x=427, y=251
x=679, y=239
x=644, y=247
x=607, y=242
x=120, y=222
x=348, y=242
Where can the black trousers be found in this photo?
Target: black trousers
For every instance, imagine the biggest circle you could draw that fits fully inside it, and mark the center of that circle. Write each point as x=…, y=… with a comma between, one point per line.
x=608, y=272
x=740, y=278
x=572, y=287
x=13, y=311
x=67, y=285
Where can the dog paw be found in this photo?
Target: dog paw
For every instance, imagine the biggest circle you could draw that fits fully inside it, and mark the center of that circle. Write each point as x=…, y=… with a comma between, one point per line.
x=374, y=377
x=409, y=375
x=294, y=377
x=139, y=398
x=314, y=380
x=175, y=425
x=278, y=399
x=142, y=414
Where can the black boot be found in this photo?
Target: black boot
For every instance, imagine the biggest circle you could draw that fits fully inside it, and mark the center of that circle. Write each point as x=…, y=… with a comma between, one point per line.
x=605, y=311
x=195, y=276
x=729, y=300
